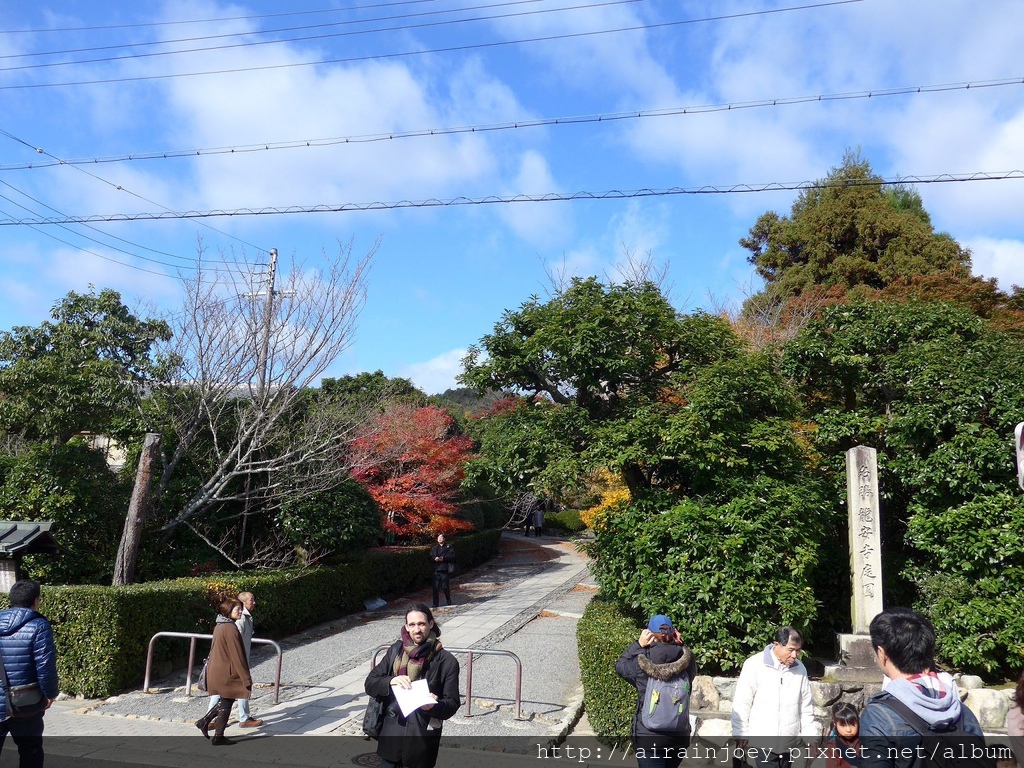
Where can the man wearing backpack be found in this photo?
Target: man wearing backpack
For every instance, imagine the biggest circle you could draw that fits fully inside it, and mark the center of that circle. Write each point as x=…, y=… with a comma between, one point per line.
x=772, y=709
x=662, y=670
x=918, y=715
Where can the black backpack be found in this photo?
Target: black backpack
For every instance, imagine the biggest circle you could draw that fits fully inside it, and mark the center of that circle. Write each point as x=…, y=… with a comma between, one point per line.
x=948, y=747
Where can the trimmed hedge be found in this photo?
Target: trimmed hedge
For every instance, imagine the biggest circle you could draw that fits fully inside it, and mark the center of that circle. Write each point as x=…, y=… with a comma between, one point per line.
x=567, y=520
x=602, y=634
x=102, y=633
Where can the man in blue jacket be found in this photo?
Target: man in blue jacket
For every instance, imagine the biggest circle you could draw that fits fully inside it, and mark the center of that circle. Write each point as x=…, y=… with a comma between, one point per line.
x=29, y=656
x=904, y=642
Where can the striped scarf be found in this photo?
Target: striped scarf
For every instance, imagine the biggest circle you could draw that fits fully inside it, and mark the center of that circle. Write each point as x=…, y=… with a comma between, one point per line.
x=413, y=659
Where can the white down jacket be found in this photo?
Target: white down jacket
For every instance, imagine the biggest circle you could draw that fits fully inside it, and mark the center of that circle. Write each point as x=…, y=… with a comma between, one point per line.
x=772, y=706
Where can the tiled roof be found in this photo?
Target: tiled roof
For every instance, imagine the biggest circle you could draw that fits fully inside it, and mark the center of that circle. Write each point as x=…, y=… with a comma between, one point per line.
x=20, y=538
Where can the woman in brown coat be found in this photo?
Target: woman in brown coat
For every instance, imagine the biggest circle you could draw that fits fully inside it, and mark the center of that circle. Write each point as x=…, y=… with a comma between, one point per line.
x=227, y=673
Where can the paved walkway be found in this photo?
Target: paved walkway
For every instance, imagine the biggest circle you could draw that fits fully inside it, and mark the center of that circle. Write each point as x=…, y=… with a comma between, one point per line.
x=527, y=601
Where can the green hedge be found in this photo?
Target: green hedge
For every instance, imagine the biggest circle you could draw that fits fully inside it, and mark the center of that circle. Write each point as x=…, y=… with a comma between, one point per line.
x=730, y=572
x=102, y=633
x=567, y=520
x=603, y=633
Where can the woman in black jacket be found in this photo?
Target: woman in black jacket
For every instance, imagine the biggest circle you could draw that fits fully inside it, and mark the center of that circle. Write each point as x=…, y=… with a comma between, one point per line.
x=659, y=653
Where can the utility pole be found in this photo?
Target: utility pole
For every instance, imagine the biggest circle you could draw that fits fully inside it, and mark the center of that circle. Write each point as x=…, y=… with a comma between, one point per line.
x=263, y=371
x=268, y=316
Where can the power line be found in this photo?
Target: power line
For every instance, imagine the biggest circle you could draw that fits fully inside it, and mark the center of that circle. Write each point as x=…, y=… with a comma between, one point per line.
x=52, y=236
x=101, y=243
x=208, y=21
x=549, y=197
x=121, y=188
x=347, y=22
x=450, y=49
x=92, y=239
x=605, y=117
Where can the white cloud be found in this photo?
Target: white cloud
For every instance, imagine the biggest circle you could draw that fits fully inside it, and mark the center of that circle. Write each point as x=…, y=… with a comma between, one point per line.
x=540, y=224
x=1002, y=259
x=437, y=374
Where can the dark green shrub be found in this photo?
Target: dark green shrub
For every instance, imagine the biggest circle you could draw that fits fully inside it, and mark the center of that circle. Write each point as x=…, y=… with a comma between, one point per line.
x=102, y=633
x=603, y=633
x=970, y=574
x=567, y=520
x=345, y=517
x=71, y=486
x=730, y=573
x=484, y=513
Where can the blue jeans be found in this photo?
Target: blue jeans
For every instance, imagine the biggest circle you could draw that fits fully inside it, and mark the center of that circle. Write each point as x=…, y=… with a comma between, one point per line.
x=28, y=735
x=244, y=713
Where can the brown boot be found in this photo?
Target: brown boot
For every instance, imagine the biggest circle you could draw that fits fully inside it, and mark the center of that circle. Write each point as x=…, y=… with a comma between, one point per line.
x=223, y=713
x=204, y=722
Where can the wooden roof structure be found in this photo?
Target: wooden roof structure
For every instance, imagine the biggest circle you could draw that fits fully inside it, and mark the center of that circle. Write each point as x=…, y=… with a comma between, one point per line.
x=27, y=538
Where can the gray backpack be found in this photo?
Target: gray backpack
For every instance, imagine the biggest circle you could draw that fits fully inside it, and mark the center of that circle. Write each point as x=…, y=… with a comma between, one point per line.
x=667, y=704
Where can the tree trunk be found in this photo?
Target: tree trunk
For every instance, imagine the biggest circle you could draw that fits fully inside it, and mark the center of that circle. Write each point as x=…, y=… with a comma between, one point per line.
x=138, y=508
x=635, y=479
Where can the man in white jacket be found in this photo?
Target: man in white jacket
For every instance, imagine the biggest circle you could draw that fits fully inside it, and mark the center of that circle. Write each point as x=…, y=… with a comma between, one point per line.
x=772, y=710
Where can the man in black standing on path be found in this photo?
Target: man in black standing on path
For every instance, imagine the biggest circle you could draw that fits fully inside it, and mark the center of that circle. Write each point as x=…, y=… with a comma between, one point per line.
x=442, y=555
x=28, y=656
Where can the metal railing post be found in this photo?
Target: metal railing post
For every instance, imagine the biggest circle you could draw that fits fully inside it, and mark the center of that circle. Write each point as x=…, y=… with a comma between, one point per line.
x=193, y=636
x=191, y=663
x=469, y=673
x=469, y=685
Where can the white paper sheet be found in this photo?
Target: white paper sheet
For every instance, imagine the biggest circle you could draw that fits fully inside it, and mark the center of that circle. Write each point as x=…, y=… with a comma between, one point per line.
x=412, y=699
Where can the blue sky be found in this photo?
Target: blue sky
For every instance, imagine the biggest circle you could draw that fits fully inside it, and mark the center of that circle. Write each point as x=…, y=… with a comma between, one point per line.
x=443, y=276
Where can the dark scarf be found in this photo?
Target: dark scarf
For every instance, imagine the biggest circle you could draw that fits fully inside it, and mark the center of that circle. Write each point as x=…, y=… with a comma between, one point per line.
x=413, y=659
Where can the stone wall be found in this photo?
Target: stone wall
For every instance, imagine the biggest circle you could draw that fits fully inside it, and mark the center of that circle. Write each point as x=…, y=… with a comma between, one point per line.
x=711, y=702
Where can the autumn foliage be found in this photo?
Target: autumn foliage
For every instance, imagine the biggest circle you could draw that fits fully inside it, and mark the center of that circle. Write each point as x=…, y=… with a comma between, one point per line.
x=411, y=462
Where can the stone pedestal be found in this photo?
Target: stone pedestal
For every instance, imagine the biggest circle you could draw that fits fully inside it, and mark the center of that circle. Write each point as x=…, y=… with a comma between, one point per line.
x=856, y=661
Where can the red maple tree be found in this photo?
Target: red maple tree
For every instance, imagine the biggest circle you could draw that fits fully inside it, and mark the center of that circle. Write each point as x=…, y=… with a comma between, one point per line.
x=412, y=463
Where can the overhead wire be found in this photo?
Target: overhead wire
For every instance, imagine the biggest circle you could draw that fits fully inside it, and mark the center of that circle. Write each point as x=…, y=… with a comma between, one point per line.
x=422, y=52
x=122, y=188
x=92, y=239
x=549, y=197
x=52, y=236
x=251, y=17
x=99, y=242
x=251, y=33
x=604, y=117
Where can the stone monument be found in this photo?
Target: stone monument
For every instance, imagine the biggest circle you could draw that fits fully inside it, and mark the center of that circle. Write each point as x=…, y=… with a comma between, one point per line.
x=856, y=656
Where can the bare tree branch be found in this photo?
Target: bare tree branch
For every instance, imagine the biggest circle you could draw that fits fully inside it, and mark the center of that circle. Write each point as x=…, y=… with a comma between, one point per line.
x=227, y=418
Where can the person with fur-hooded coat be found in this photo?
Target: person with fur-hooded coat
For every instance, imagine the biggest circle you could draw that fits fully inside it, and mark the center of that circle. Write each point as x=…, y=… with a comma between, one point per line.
x=659, y=653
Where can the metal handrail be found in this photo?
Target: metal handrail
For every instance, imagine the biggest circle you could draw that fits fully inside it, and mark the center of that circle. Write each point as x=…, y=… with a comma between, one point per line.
x=192, y=659
x=469, y=673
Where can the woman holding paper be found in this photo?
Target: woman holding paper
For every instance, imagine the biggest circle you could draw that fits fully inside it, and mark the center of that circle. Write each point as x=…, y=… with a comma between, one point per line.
x=411, y=740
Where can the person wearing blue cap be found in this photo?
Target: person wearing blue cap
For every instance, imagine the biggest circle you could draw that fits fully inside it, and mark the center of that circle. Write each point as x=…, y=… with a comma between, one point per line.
x=662, y=669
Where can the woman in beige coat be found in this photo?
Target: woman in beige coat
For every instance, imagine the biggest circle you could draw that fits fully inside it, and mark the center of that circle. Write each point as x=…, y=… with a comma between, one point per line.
x=227, y=672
